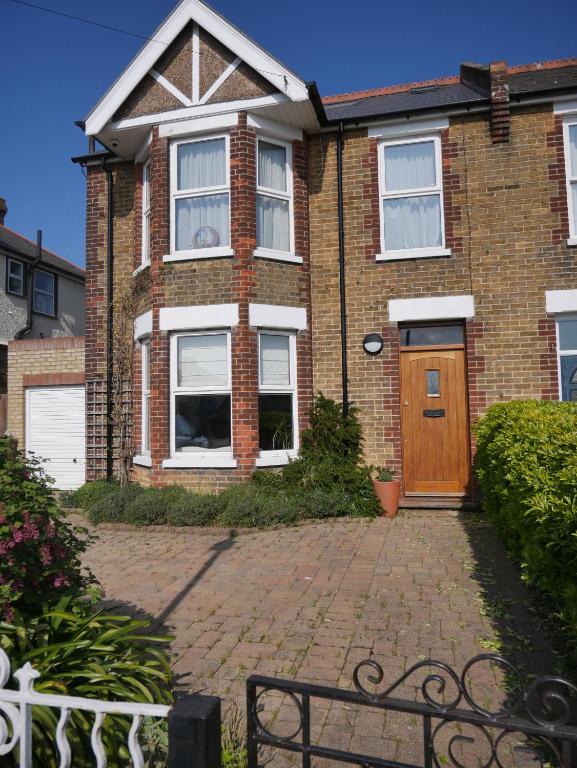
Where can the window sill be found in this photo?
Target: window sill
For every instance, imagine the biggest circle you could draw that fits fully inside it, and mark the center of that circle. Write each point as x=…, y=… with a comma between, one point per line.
x=140, y=268
x=269, y=253
x=142, y=461
x=275, y=458
x=209, y=461
x=413, y=253
x=572, y=241
x=200, y=253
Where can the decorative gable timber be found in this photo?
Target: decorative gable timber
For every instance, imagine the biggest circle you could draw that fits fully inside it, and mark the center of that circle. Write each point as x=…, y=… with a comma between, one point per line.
x=189, y=61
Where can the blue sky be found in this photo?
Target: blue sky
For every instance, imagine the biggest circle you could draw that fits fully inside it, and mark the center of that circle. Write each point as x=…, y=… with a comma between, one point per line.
x=54, y=69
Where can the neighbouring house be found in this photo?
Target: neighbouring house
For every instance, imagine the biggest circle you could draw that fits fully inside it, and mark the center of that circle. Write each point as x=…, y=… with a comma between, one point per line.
x=411, y=249
x=41, y=385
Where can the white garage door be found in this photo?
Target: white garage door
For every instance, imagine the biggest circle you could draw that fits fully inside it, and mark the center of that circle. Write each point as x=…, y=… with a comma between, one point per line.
x=55, y=431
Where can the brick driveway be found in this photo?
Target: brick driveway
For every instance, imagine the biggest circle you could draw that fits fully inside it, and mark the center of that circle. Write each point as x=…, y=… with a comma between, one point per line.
x=310, y=602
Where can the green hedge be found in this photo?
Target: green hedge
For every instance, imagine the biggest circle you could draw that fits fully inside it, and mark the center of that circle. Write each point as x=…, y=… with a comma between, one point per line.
x=526, y=465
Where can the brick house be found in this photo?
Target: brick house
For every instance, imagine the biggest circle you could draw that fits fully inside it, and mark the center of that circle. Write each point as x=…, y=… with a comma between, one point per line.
x=410, y=249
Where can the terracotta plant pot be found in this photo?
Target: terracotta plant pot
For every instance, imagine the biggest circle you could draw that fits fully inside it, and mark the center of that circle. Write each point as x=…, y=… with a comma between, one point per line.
x=388, y=495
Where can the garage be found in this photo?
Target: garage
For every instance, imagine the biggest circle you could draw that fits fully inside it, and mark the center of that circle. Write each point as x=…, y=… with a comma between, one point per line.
x=56, y=432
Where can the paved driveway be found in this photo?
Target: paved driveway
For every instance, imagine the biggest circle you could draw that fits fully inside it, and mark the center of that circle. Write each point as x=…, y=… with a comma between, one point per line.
x=311, y=602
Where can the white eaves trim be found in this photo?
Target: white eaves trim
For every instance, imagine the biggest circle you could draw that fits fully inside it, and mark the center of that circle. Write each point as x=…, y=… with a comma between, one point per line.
x=190, y=318
x=143, y=153
x=565, y=107
x=557, y=302
x=408, y=127
x=275, y=130
x=143, y=325
x=271, y=316
x=198, y=125
x=193, y=10
x=433, y=308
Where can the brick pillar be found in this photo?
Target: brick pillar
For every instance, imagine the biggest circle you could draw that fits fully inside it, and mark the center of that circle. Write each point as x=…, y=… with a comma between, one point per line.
x=244, y=338
x=500, y=114
x=95, y=306
x=159, y=346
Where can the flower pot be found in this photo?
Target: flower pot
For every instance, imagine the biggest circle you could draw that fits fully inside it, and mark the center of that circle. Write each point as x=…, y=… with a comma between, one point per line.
x=388, y=495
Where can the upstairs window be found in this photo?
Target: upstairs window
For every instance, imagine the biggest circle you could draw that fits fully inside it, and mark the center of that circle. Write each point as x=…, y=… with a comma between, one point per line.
x=277, y=413
x=410, y=179
x=15, y=277
x=145, y=260
x=571, y=174
x=43, y=293
x=274, y=197
x=200, y=198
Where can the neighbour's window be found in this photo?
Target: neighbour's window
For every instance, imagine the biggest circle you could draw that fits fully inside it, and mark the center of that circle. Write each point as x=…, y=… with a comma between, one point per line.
x=567, y=354
x=277, y=387
x=145, y=261
x=15, y=277
x=200, y=195
x=411, y=196
x=274, y=196
x=43, y=293
x=571, y=174
x=145, y=352
x=201, y=393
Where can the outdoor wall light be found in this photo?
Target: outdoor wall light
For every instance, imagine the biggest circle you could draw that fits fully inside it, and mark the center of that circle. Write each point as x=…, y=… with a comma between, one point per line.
x=373, y=343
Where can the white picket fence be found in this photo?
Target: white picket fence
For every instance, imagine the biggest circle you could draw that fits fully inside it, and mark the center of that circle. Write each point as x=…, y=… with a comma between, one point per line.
x=16, y=717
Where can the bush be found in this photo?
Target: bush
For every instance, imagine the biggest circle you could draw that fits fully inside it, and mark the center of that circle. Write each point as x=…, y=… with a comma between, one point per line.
x=88, y=494
x=111, y=507
x=99, y=655
x=526, y=464
x=39, y=550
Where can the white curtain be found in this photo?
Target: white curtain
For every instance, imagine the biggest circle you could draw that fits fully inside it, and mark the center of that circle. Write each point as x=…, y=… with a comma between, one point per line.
x=202, y=164
x=203, y=361
x=573, y=149
x=272, y=166
x=272, y=223
x=410, y=166
x=202, y=222
x=274, y=360
x=412, y=222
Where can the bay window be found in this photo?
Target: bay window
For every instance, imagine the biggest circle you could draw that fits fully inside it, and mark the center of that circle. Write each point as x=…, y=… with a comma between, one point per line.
x=570, y=136
x=274, y=203
x=411, y=198
x=145, y=361
x=277, y=412
x=44, y=293
x=200, y=198
x=145, y=256
x=201, y=398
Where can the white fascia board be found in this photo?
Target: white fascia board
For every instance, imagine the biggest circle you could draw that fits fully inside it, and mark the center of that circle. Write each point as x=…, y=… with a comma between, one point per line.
x=408, y=127
x=191, y=318
x=193, y=10
x=143, y=153
x=557, y=302
x=274, y=129
x=199, y=110
x=270, y=316
x=143, y=325
x=198, y=125
x=433, y=308
x=565, y=107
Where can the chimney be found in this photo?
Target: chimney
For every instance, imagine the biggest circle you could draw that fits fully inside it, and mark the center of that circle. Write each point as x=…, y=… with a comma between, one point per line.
x=3, y=211
x=500, y=115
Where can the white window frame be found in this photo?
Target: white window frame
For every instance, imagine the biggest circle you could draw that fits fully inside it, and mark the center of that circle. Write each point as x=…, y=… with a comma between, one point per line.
x=277, y=458
x=198, y=458
x=144, y=458
x=45, y=293
x=563, y=352
x=384, y=194
x=570, y=180
x=176, y=194
x=145, y=252
x=288, y=196
x=22, y=277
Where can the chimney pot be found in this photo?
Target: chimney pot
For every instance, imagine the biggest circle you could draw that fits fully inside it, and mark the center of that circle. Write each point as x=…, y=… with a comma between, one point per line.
x=3, y=211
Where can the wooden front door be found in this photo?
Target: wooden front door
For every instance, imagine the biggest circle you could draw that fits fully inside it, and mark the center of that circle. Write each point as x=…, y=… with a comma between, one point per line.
x=434, y=420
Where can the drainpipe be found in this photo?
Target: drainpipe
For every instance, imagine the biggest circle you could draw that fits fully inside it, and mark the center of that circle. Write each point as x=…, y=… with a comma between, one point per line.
x=109, y=321
x=29, y=287
x=342, y=287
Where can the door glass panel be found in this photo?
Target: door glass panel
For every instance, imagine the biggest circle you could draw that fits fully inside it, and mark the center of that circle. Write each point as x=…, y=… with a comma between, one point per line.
x=431, y=335
x=433, y=383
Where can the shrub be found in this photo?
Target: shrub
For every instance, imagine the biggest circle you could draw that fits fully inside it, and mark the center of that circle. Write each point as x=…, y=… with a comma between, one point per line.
x=111, y=507
x=99, y=655
x=39, y=550
x=526, y=464
x=88, y=494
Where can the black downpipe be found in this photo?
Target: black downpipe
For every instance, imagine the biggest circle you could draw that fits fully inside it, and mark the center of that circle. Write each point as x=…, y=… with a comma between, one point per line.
x=109, y=321
x=342, y=287
x=30, y=287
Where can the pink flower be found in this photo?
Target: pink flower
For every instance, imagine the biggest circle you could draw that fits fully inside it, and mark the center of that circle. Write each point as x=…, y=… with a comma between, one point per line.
x=61, y=581
x=45, y=554
x=17, y=536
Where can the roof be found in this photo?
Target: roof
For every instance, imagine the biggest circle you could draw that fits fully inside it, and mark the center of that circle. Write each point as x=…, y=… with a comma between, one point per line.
x=443, y=92
x=22, y=246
